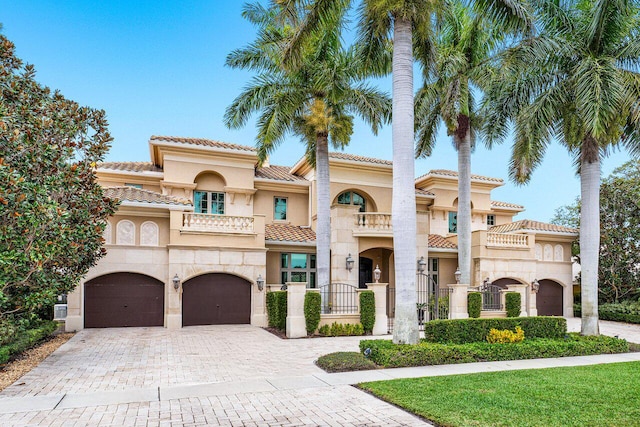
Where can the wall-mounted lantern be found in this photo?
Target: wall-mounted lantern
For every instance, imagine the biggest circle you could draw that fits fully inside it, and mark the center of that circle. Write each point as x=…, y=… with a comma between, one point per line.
x=535, y=286
x=260, y=282
x=176, y=282
x=350, y=262
x=422, y=265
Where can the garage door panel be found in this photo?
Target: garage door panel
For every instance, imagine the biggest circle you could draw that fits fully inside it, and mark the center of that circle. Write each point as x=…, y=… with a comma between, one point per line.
x=549, y=300
x=124, y=299
x=216, y=299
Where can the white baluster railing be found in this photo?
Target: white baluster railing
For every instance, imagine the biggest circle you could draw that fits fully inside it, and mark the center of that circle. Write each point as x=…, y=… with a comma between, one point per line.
x=217, y=223
x=502, y=240
x=373, y=221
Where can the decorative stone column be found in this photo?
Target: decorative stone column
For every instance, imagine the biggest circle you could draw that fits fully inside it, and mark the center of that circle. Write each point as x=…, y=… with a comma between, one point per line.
x=259, y=302
x=458, y=301
x=296, y=325
x=380, y=327
x=522, y=290
x=533, y=302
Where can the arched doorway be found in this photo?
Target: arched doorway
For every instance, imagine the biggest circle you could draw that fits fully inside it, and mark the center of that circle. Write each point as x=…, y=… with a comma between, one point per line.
x=123, y=299
x=216, y=299
x=549, y=300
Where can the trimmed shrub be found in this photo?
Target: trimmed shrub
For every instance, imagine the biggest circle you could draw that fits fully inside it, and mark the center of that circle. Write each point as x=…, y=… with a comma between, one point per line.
x=345, y=361
x=27, y=339
x=461, y=331
x=506, y=336
x=385, y=353
x=367, y=311
x=512, y=304
x=340, y=329
x=312, y=302
x=628, y=312
x=277, y=309
x=474, y=304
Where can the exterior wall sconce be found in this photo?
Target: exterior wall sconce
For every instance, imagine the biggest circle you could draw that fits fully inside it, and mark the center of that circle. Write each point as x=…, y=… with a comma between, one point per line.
x=422, y=265
x=350, y=263
x=260, y=282
x=176, y=282
x=457, y=274
x=535, y=286
x=376, y=274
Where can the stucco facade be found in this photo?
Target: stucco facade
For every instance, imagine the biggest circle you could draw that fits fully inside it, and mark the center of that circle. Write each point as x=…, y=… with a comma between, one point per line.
x=201, y=223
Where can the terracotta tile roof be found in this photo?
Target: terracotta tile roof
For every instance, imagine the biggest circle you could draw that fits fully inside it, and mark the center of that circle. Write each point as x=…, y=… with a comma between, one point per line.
x=202, y=142
x=497, y=204
x=288, y=233
x=424, y=192
x=436, y=241
x=132, y=194
x=130, y=166
x=354, y=158
x=279, y=173
x=527, y=224
x=450, y=173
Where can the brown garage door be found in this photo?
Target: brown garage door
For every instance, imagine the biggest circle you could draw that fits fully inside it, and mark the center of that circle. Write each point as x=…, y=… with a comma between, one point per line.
x=549, y=298
x=216, y=299
x=123, y=299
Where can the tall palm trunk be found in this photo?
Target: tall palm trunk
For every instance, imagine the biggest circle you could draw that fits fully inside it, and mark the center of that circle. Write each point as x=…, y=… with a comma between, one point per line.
x=589, y=234
x=323, y=229
x=405, y=327
x=463, y=144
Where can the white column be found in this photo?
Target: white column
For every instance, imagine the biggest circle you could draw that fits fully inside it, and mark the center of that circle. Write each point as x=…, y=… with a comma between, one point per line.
x=458, y=301
x=380, y=327
x=296, y=325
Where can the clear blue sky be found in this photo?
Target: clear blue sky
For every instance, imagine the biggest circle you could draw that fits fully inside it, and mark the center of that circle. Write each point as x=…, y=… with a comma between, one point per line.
x=157, y=68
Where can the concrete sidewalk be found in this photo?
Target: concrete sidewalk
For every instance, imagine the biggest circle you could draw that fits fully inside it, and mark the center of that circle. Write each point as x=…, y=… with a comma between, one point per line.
x=210, y=376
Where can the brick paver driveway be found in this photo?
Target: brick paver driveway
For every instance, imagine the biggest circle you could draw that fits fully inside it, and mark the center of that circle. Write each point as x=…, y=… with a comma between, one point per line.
x=204, y=375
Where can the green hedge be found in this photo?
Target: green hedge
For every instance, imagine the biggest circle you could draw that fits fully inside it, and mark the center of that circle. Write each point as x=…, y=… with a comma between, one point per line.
x=277, y=309
x=627, y=312
x=512, y=304
x=341, y=329
x=344, y=361
x=386, y=354
x=474, y=304
x=312, y=302
x=461, y=331
x=367, y=310
x=26, y=340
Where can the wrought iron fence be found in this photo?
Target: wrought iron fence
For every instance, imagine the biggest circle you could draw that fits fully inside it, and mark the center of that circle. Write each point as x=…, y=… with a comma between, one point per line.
x=339, y=298
x=491, y=297
x=432, y=302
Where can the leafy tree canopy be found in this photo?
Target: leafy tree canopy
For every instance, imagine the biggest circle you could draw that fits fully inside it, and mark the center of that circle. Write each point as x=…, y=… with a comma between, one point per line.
x=52, y=211
x=619, y=264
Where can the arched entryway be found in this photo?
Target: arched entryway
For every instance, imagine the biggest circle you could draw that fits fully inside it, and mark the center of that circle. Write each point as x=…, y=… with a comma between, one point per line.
x=123, y=299
x=216, y=299
x=505, y=281
x=549, y=300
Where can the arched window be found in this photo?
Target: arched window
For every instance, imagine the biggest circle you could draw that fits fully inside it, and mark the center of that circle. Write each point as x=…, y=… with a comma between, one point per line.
x=149, y=234
x=125, y=233
x=538, y=251
x=353, y=198
x=548, y=253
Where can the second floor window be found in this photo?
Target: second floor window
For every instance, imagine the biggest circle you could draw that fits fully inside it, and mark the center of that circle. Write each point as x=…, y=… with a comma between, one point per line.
x=453, y=222
x=491, y=220
x=279, y=208
x=208, y=202
x=352, y=198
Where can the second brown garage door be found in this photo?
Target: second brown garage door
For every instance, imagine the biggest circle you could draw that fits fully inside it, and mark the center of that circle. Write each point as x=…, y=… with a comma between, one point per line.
x=123, y=299
x=216, y=299
x=549, y=298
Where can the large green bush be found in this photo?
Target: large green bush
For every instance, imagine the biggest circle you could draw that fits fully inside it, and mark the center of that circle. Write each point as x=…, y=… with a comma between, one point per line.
x=277, y=309
x=367, y=311
x=26, y=339
x=474, y=304
x=513, y=300
x=312, y=302
x=628, y=312
x=461, y=331
x=344, y=361
x=385, y=353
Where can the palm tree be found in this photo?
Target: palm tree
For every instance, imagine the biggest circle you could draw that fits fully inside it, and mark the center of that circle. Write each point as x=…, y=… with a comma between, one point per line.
x=576, y=82
x=384, y=23
x=455, y=71
x=315, y=101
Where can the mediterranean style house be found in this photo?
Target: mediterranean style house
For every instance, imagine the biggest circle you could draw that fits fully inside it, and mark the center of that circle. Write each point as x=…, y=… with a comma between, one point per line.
x=200, y=228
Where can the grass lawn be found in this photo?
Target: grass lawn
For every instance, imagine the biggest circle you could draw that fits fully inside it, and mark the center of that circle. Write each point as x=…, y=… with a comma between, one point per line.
x=599, y=395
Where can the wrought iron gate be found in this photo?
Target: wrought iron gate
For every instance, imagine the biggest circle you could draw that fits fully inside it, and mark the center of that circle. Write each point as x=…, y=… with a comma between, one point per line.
x=432, y=302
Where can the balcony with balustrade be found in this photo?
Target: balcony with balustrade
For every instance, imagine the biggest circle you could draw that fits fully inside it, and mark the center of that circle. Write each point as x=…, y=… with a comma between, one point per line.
x=209, y=223
x=373, y=224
